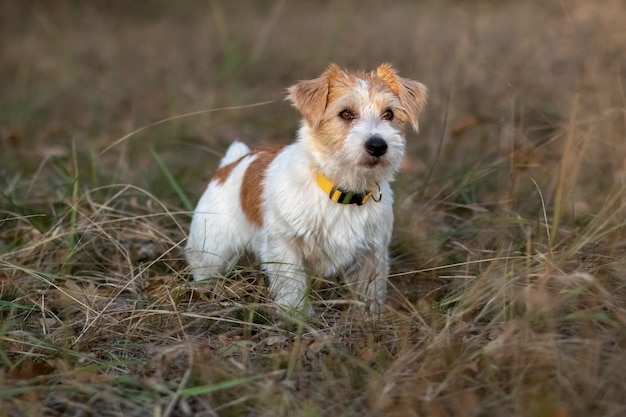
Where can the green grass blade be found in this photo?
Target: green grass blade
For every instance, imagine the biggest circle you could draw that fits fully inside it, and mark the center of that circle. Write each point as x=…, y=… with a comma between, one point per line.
x=173, y=183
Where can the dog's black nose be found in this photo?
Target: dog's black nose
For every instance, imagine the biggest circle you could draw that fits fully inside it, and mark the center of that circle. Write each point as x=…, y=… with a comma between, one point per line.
x=376, y=146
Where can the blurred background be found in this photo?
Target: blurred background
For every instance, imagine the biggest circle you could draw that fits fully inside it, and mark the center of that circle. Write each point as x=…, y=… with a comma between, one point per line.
x=510, y=84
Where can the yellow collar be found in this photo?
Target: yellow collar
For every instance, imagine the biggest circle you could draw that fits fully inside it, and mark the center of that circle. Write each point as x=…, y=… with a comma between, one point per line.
x=344, y=197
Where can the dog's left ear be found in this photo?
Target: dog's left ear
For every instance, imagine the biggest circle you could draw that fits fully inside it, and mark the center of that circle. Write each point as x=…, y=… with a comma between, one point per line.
x=412, y=94
x=310, y=97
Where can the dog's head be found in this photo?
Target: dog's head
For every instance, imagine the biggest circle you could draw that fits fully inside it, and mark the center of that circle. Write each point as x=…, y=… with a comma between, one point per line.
x=353, y=122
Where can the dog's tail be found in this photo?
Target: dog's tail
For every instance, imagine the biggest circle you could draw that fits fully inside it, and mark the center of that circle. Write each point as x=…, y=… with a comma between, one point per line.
x=235, y=151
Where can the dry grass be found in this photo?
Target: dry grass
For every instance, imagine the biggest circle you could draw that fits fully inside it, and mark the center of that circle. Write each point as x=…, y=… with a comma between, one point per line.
x=509, y=257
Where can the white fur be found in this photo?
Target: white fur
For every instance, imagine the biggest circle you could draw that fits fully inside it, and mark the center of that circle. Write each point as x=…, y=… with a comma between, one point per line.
x=308, y=231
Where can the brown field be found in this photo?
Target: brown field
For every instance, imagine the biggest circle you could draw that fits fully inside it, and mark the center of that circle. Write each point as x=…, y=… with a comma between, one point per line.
x=509, y=252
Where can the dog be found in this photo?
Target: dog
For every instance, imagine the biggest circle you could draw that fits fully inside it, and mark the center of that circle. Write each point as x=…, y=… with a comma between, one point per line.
x=321, y=206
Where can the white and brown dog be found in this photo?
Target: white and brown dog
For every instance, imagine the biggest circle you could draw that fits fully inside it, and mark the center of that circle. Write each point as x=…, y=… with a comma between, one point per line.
x=321, y=206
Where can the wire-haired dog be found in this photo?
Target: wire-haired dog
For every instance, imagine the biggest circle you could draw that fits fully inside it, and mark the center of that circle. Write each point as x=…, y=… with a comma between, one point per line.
x=321, y=205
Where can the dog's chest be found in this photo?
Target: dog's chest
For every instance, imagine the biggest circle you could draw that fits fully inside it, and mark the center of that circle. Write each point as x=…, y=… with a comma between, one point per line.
x=334, y=240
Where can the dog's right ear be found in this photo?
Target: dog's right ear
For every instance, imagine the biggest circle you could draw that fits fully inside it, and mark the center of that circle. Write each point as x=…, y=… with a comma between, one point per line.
x=310, y=97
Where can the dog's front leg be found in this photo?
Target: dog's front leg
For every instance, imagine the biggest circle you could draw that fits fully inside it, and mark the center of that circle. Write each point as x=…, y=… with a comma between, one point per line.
x=286, y=276
x=287, y=285
x=371, y=280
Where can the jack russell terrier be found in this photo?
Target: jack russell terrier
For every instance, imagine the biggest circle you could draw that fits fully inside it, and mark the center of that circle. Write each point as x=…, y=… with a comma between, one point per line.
x=321, y=206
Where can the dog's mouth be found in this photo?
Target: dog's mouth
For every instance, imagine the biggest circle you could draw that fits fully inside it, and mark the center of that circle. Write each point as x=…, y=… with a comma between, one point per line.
x=372, y=161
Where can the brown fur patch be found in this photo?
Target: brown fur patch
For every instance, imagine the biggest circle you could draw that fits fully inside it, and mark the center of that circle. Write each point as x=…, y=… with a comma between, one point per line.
x=221, y=175
x=309, y=97
x=388, y=75
x=340, y=83
x=253, y=181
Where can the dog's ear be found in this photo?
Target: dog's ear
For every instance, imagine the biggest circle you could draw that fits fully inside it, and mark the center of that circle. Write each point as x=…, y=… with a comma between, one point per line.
x=412, y=94
x=310, y=97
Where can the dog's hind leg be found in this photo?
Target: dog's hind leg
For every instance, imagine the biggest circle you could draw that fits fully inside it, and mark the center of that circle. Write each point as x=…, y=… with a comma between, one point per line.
x=207, y=259
x=214, y=244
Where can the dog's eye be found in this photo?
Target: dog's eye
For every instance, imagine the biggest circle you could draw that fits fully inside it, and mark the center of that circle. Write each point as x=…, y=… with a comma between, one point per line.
x=346, y=115
x=387, y=115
